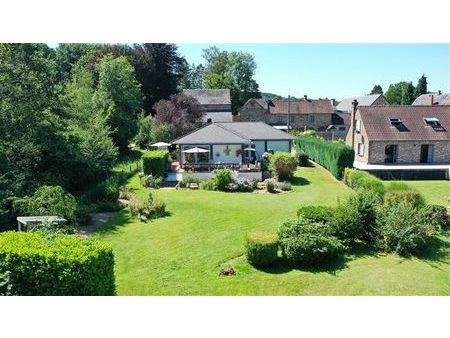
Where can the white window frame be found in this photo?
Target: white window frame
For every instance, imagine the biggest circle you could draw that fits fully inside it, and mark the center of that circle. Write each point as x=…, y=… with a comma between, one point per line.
x=358, y=126
x=361, y=149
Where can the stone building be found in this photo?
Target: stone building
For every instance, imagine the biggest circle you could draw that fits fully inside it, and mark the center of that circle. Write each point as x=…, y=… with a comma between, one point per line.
x=345, y=106
x=432, y=99
x=390, y=140
x=215, y=102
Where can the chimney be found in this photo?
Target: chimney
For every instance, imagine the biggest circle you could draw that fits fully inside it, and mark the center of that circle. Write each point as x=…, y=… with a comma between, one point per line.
x=439, y=92
x=431, y=99
x=306, y=97
x=355, y=107
x=333, y=102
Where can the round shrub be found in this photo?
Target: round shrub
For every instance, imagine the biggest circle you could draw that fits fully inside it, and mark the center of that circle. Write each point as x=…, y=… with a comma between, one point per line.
x=437, y=216
x=284, y=186
x=305, y=242
x=398, y=186
x=302, y=159
x=206, y=185
x=261, y=248
x=270, y=185
x=316, y=214
x=411, y=197
x=222, y=178
x=283, y=165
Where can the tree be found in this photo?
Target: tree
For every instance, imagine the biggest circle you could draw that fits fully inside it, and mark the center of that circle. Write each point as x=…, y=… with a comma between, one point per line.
x=119, y=94
x=233, y=70
x=422, y=86
x=144, y=138
x=192, y=76
x=377, y=89
x=408, y=94
x=395, y=91
x=161, y=133
x=68, y=54
x=181, y=113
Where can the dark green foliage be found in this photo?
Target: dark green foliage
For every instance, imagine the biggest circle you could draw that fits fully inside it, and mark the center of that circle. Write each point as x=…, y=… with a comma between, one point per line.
x=395, y=92
x=305, y=242
x=355, y=218
x=422, y=86
x=62, y=265
x=333, y=156
x=222, y=178
x=403, y=229
x=155, y=162
x=377, y=89
x=316, y=214
x=261, y=248
x=144, y=138
x=411, y=197
x=302, y=159
x=408, y=94
x=358, y=179
x=437, y=216
x=282, y=165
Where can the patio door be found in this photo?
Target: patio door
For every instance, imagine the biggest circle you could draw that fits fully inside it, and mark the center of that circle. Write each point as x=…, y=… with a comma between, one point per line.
x=426, y=153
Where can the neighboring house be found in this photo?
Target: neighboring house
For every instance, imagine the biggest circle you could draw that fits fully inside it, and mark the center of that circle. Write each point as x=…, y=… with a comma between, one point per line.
x=345, y=106
x=432, y=99
x=216, y=103
x=401, y=141
x=226, y=143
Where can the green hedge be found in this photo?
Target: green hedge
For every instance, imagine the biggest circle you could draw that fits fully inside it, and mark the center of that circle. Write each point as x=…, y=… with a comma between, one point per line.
x=333, y=156
x=358, y=179
x=155, y=162
x=61, y=265
x=261, y=248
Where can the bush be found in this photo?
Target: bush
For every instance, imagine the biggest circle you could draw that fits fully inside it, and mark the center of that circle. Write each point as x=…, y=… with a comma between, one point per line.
x=65, y=265
x=333, y=156
x=358, y=179
x=222, y=178
x=302, y=159
x=398, y=186
x=155, y=162
x=305, y=242
x=403, y=230
x=270, y=185
x=105, y=191
x=284, y=186
x=206, y=185
x=282, y=165
x=316, y=214
x=411, y=197
x=147, y=210
x=254, y=183
x=355, y=218
x=437, y=216
x=83, y=213
x=48, y=201
x=261, y=248
x=188, y=179
x=240, y=184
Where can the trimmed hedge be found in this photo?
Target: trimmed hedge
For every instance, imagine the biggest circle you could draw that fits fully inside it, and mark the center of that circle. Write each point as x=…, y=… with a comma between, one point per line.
x=316, y=213
x=411, y=197
x=61, y=265
x=302, y=159
x=261, y=248
x=155, y=162
x=333, y=156
x=358, y=179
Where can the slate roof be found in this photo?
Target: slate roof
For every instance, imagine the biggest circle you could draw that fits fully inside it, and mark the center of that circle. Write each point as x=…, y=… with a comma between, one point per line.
x=233, y=133
x=367, y=100
x=302, y=107
x=209, y=96
x=438, y=99
x=377, y=125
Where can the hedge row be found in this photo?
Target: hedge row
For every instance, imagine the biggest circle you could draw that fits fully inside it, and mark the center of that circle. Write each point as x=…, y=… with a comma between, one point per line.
x=62, y=265
x=358, y=179
x=155, y=162
x=333, y=156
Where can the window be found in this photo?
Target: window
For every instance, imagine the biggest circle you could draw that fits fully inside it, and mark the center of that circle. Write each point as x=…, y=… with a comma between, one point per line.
x=312, y=118
x=390, y=153
x=279, y=119
x=434, y=123
x=358, y=126
x=361, y=149
x=291, y=118
x=398, y=124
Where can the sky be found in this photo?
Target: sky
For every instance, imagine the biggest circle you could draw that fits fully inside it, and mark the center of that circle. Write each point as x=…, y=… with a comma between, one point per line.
x=338, y=70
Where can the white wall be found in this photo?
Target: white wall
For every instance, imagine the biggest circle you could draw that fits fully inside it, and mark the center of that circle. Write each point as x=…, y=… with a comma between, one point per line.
x=223, y=157
x=208, y=175
x=278, y=145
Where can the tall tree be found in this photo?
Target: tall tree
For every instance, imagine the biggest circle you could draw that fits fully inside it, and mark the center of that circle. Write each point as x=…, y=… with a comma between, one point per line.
x=408, y=94
x=395, y=92
x=192, y=76
x=233, y=70
x=68, y=54
x=377, y=89
x=120, y=95
x=181, y=113
x=422, y=86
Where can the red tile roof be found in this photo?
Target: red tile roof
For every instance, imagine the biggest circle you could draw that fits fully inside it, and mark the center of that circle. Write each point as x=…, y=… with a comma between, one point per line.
x=379, y=128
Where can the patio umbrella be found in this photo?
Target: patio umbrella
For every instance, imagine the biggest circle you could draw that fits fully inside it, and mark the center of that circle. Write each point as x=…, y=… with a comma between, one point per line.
x=195, y=151
x=160, y=145
x=252, y=149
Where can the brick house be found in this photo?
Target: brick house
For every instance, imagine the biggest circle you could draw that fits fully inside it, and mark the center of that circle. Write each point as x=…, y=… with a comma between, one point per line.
x=302, y=114
x=391, y=140
x=216, y=103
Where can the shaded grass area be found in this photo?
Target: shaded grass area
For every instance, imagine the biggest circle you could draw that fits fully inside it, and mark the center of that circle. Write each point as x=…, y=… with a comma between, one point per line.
x=182, y=254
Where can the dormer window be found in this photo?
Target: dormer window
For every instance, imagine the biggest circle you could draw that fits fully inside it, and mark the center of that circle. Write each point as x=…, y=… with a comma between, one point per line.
x=398, y=123
x=434, y=123
x=395, y=121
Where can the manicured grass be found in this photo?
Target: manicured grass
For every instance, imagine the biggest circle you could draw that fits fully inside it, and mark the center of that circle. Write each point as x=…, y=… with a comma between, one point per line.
x=435, y=192
x=182, y=253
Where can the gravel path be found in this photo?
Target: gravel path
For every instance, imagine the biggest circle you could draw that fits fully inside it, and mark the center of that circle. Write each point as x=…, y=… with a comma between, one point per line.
x=97, y=221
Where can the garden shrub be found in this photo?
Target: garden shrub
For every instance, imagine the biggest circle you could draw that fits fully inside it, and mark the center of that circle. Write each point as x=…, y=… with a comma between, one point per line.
x=331, y=155
x=261, y=248
x=254, y=182
x=403, y=230
x=222, y=178
x=358, y=179
x=398, y=186
x=188, y=179
x=436, y=215
x=302, y=159
x=106, y=191
x=284, y=186
x=355, y=218
x=155, y=162
x=62, y=265
x=316, y=214
x=282, y=165
x=305, y=242
x=271, y=185
x=240, y=184
x=412, y=197
x=146, y=210
x=83, y=213
x=206, y=185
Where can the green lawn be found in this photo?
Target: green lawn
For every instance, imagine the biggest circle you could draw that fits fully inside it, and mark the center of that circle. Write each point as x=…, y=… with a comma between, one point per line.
x=181, y=254
x=436, y=192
